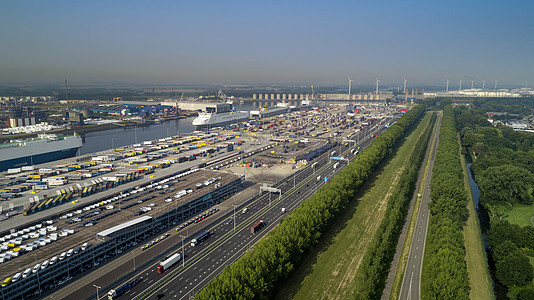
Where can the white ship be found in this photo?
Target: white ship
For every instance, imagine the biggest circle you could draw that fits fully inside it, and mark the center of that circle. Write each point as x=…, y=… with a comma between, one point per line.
x=268, y=112
x=33, y=151
x=218, y=119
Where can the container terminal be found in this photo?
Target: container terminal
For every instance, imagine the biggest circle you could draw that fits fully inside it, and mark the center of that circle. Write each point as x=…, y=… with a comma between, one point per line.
x=117, y=199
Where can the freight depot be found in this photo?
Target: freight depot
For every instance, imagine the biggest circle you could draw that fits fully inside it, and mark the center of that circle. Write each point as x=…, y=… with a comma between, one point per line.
x=194, y=156
x=90, y=245
x=104, y=171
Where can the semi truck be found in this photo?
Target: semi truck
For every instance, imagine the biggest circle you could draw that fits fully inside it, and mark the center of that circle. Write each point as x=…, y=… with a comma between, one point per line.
x=256, y=227
x=165, y=264
x=114, y=293
x=200, y=238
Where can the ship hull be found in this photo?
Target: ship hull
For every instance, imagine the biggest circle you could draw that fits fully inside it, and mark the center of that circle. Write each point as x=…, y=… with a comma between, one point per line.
x=215, y=120
x=221, y=123
x=37, y=159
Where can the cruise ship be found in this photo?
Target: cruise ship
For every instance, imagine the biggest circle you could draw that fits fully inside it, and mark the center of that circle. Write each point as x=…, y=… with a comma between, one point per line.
x=44, y=148
x=206, y=119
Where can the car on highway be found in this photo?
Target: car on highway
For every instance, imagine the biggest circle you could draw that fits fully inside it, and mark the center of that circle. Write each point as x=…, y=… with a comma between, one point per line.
x=229, y=222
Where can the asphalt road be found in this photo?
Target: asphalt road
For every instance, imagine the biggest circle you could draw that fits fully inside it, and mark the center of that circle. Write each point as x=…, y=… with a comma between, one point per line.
x=205, y=261
x=198, y=270
x=411, y=283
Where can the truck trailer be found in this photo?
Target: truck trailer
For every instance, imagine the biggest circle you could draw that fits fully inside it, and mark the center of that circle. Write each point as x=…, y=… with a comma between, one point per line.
x=168, y=263
x=256, y=227
x=114, y=293
x=200, y=238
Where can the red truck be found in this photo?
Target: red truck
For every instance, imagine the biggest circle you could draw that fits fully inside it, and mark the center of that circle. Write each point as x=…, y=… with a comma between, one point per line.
x=256, y=227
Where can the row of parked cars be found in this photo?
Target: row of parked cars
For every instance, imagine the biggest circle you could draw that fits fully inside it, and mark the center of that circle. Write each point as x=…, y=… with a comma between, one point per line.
x=44, y=265
x=161, y=238
x=198, y=218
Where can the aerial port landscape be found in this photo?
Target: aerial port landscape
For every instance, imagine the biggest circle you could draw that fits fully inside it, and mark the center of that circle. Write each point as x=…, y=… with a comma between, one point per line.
x=266, y=150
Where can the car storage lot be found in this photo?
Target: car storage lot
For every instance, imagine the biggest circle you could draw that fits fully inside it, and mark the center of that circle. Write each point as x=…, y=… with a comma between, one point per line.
x=155, y=206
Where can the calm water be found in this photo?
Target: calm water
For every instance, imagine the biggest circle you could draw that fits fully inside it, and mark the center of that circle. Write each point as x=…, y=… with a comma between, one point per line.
x=474, y=188
x=112, y=138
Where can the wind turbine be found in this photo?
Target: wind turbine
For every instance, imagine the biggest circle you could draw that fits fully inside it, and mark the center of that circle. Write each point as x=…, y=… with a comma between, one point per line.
x=377, y=85
x=350, y=85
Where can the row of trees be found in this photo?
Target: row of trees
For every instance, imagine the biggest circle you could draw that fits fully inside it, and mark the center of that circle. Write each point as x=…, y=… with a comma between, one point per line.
x=444, y=269
x=503, y=169
x=376, y=263
x=272, y=259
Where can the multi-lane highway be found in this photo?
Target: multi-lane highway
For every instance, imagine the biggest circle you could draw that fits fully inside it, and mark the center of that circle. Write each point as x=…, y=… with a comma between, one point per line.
x=205, y=261
x=411, y=284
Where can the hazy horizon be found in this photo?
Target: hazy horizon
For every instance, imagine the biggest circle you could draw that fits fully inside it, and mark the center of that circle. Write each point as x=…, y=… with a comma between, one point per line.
x=238, y=42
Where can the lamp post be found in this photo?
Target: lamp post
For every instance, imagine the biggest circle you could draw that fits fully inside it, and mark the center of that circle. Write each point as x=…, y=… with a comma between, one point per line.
x=97, y=288
x=183, y=253
x=234, y=214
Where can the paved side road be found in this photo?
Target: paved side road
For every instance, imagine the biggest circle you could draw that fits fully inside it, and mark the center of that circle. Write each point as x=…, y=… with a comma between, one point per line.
x=402, y=238
x=411, y=284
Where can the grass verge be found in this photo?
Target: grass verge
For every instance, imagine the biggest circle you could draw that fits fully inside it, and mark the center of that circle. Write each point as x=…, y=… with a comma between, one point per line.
x=330, y=271
x=477, y=262
x=521, y=214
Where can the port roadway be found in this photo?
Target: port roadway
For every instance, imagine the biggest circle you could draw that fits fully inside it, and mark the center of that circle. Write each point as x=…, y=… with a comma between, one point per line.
x=206, y=260
x=411, y=283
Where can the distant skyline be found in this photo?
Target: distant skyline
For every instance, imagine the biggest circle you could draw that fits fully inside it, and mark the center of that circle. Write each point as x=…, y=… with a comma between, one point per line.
x=271, y=42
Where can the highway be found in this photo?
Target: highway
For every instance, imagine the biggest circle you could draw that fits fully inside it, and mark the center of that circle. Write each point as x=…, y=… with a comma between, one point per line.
x=207, y=260
x=411, y=284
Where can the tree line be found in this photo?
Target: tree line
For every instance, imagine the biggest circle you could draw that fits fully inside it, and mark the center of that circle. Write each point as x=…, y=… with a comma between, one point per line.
x=274, y=257
x=503, y=167
x=377, y=261
x=444, y=266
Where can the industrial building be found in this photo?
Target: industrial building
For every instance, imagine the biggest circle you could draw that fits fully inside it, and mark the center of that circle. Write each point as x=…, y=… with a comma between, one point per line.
x=115, y=226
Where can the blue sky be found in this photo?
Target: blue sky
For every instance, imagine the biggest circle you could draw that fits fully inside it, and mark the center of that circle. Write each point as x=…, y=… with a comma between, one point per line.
x=265, y=42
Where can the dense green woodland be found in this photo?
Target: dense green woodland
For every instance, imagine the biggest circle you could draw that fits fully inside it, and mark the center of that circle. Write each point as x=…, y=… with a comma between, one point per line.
x=444, y=267
x=256, y=274
x=503, y=167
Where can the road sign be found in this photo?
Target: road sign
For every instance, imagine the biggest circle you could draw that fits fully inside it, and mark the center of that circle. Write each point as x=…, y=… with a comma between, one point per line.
x=325, y=178
x=338, y=158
